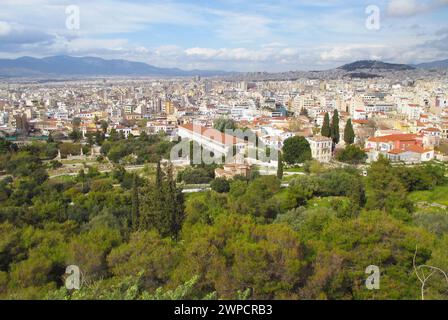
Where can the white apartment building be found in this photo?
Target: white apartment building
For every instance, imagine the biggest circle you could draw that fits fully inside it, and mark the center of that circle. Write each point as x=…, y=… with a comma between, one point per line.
x=85, y=115
x=359, y=114
x=157, y=127
x=124, y=130
x=380, y=107
x=320, y=148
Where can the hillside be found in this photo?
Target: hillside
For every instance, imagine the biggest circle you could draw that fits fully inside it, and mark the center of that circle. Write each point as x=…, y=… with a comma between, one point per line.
x=442, y=64
x=89, y=66
x=375, y=65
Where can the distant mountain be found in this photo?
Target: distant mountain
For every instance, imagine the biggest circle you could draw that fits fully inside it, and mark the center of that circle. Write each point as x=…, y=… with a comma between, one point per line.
x=362, y=75
x=443, y=64
x=375, y=65
x=63, y=66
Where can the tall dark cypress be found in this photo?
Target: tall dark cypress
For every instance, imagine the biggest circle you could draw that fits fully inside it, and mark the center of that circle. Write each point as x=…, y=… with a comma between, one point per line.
x=349, y=133
x=335, y=128
x=135, y=209
x=326, y=130
x=159, y=175
x=162, y=206
x=280, y=166
x=175, y=204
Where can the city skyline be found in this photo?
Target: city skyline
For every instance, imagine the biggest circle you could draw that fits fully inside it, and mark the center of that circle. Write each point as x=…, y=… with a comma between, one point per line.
x=228, y=35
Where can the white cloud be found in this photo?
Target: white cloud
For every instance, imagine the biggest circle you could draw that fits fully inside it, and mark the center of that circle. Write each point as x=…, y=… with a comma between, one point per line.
x=242, y=54
x=262, y=35
x=240, y=27
x=406, y=8
x=99, y=17
x=5, y=28
x=353, y=52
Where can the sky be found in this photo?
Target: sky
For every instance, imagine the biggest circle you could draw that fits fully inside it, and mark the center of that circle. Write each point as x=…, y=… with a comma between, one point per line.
x=230, y=35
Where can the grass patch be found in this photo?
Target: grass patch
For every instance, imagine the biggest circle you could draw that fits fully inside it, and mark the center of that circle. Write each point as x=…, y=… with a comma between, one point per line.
x=325, y=202
x=296, y=169
x=437, y=195
x=63, y=179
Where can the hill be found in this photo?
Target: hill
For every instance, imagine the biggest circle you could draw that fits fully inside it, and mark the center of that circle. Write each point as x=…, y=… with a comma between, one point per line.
x=442, y=64
x=375, y=65
x=89, y=66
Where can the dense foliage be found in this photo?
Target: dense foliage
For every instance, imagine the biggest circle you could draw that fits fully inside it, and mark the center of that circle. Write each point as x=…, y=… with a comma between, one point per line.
x=352, y=155
x=349, y=133
x=146, y=148
x=136, y=236
x=296, y=150
x=223, y=124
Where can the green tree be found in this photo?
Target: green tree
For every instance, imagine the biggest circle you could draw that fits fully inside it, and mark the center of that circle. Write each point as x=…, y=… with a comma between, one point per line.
x=326, y=130
x=75, y=135
x=89, y=251
x=135, y=209
x=99, y=137
x=255, y=198
x=351, y=154
x=113, y=135
x=162, y=204
x=90, y=139
x=6, y=146
x=280, y=167
x=76, y=122
x=335, y=127
x=385, y=191
x=146, y=253
x=104, y=126
x=222, y=124
x=220, y=185
x=235, y=254
x=296, y=150
x=349, y=133
x=351, y=245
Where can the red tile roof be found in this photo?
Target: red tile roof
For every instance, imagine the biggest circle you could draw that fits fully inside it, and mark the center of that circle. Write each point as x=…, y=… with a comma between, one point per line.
x=431, y=130
x=361, y=121
x=394, y=137
x=413, y=148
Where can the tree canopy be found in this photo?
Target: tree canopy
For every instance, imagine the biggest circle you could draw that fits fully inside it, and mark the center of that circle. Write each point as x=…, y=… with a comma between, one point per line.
x=136, y=235
x=296, y=150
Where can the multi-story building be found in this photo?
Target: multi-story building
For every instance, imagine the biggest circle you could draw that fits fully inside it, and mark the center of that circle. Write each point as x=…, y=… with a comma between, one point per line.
x=407, y=148
x=321, y=148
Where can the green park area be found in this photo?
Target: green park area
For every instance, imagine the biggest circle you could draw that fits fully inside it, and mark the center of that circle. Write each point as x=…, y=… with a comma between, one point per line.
x=136, y=235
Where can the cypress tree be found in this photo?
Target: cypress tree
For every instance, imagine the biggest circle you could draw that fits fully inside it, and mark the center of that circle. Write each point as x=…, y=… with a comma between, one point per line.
x=335, y=128
x=162, y=207
x=147, y=218
x=175, y=206
x=135, y=209
x=280, y=166
x=349, y=133
x=159, y=175
x=304, y=112
x=326, y=130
